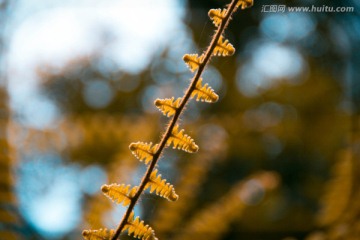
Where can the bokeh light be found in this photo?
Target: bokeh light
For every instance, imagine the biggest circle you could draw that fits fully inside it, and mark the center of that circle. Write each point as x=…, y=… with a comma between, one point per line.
x=81, y=80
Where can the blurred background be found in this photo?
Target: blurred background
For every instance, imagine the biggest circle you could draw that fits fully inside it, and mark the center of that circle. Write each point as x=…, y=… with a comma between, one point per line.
x=279, y=152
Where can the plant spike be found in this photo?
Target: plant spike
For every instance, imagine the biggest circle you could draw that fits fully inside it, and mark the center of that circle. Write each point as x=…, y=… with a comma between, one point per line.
x=168, y=106
x=193, y=61
x=101, y=234
x=182, y=141
x=143, y=151
x=217, y=47
x=119, y=193
x=161, y=187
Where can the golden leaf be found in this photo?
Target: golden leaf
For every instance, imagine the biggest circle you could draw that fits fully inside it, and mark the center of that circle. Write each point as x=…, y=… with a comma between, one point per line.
x=333, y=203
x=193, y=61
x=143, y=151
x=138, y=229
x=244, y=3
x=217, y=15
x=161, y=187
x=204, y=93
x=101, y=234
x=119, y=193
x=182, y=141
x=223, y=48
x=168, y=106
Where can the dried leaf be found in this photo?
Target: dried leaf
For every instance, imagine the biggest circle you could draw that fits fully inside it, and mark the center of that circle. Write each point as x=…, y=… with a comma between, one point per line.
x=204, y=93
x=168, y=106
x=244, y=4
x=217, y=15
x=101, y=234
x=143, y=151
x=223, y=48
x=119, y=193
x=182, y=141
x=138, y=229
x=193, y=61
x=161, y=187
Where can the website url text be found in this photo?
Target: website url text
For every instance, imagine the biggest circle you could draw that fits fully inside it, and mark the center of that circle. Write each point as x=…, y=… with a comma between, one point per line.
x=315, y=9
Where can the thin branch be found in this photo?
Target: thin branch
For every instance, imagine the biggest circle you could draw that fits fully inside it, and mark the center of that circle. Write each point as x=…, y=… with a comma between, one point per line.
x=208, y=54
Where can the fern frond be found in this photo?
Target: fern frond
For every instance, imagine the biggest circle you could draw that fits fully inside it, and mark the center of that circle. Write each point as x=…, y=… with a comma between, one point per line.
x=143, y=151
x=223, y=48
x=244, y=4
x=168, y=106
x=333, y=203
x=217, y=15
x=204, y=93
x=138, y=229
x=161, y=187
x=182, y=141
x=101, y=234
x=173, y=136
x=193, y=61
x=119, y=193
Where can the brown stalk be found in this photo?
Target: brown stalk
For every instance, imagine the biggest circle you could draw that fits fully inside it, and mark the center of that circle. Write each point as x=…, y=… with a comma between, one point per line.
x=230, y=10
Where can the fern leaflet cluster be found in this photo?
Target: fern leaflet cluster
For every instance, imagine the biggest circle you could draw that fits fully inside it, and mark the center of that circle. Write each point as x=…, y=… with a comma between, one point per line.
x=119, y=193
x=161, y=187
x=129, y=196
x=101, y=234
x=244, y=4
x=193, y=61
x=182, y=141
x=168, y=106
x=204, y=93
x=138, y=229
x=223, y=48
x=217, y=15
x=143, y=151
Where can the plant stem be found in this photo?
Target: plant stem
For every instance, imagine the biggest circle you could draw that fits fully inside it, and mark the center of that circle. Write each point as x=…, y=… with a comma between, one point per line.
x=230, y=10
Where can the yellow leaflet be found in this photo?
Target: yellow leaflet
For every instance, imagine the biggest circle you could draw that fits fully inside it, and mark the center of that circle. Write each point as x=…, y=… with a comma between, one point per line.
x=193, y=61
x=333, y=203
x=143, y=151
x=182, y=141
x=101, y=234
x=244, y=3
x=168, y=106
x=119, y=193
x=138, y=229
x=204, y=93
x=223, y=48
x=161, y=187
x=217, y=15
